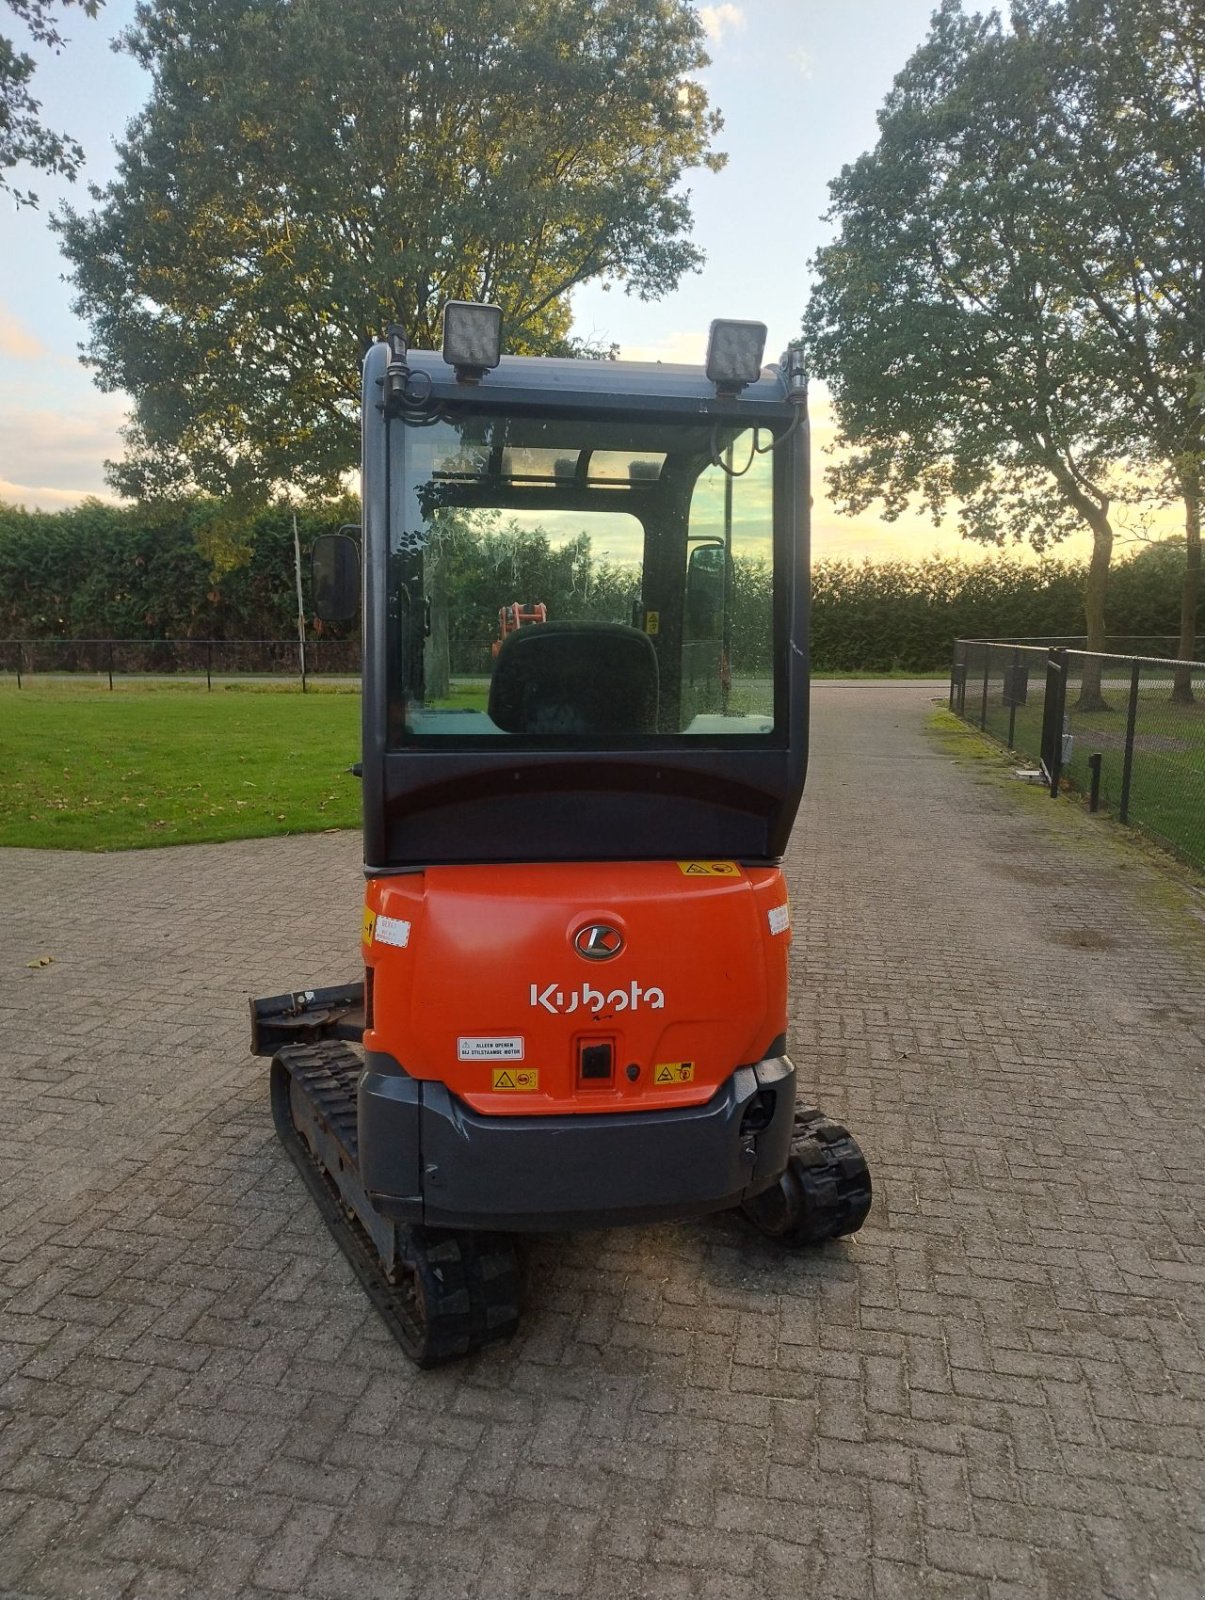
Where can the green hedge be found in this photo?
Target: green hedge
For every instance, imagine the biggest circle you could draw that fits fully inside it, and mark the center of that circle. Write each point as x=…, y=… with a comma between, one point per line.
x=194, y=571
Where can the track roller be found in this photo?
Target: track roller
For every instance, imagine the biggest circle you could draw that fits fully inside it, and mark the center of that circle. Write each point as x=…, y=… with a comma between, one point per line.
x=823, y=1193
x=442, y=1294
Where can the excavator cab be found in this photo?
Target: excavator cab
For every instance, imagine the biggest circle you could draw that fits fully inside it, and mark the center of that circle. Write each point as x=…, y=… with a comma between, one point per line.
x=575, y=934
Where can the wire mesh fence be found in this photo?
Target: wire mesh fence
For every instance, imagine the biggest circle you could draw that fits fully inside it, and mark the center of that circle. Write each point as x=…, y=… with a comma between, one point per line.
x=1126, y=730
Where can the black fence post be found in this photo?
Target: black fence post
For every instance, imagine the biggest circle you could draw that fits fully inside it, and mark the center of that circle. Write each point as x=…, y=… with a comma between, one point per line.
x=110, y=665
x=20, y=648
x=1012, y=701
x=1094, y=763
x=1052, y=718
x=209, y=665
x=987, y=673
x=1127, y=766
x=958, y=678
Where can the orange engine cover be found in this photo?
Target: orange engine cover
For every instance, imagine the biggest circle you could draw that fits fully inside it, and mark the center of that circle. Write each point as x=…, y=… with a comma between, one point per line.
x=491, y=980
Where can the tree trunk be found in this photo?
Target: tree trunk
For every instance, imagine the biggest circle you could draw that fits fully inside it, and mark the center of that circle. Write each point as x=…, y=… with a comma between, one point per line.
x=1090, y=697
x=1182, y=677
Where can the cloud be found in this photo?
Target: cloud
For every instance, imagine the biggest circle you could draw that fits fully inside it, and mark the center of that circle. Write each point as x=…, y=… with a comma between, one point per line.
x=38, y=497
x=50, y=459
x=687, y=347
x=803, y=63
x=716, y=19
x=17, y=343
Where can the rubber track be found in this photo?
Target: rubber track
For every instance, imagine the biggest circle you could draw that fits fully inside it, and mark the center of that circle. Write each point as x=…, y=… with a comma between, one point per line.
x=825, y=1191
x=468, y=1282
x=837, y=1165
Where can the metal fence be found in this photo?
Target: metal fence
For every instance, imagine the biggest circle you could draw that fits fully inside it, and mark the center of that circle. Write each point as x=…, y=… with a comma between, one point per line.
x=213, y=660
x=1127, y=731
x=210, y=659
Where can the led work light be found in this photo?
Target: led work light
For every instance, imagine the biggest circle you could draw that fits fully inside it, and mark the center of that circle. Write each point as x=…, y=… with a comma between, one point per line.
x=734, y=354
x=472, y=338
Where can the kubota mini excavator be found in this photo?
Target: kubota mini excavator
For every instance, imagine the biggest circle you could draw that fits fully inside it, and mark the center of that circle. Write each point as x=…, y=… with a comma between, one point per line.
x=576, y=930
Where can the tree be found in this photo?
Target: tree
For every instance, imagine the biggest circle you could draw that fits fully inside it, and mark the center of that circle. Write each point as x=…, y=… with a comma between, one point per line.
x=964, y=365
x=23, y=137
x=1123, y=90
x=308, y=170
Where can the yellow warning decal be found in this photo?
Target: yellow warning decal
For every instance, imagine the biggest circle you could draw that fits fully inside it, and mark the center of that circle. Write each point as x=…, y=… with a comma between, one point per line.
x=370, y=922
x=652, y=622
x=709, y=869
x=520, y=1080
x=674, y=1072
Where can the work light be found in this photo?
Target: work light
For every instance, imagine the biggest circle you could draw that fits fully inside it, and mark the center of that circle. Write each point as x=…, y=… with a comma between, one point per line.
x=472, y=338
x=734, y=354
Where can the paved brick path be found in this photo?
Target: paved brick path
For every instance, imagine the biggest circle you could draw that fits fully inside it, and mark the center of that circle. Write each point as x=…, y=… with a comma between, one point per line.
x=998, y=1390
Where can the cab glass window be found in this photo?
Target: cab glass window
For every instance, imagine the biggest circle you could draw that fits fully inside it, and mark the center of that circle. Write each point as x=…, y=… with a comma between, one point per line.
x=580, y=581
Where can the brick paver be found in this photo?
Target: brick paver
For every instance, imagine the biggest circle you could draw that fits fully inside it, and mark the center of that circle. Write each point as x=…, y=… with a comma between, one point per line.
x=997, y=1390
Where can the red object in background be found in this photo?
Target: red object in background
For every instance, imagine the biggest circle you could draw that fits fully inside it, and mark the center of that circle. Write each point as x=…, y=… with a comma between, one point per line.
x=513, y=616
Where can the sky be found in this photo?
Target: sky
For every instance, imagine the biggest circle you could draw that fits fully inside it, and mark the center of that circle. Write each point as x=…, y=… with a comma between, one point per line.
x=798, y=83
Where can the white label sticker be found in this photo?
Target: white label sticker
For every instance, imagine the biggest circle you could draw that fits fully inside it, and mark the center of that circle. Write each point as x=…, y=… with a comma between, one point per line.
x=392, y=930
x=492, y=1049
x=780, y=919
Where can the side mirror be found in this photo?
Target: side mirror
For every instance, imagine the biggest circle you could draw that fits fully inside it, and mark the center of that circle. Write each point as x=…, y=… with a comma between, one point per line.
x=335, y=577
x=706, y=575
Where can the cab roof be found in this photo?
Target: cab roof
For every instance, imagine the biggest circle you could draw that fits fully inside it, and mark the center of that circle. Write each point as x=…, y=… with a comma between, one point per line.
x=563, y=383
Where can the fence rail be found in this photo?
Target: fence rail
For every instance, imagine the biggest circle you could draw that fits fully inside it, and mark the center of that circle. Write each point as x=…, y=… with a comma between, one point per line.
x=179, y=658
x=1126, y=730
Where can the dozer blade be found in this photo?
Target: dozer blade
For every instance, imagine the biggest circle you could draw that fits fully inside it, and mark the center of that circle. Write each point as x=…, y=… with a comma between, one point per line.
x=441, y=1294
x=305, y=1016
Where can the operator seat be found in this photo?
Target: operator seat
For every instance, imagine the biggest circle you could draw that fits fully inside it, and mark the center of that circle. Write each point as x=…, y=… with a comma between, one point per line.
x=575, y=678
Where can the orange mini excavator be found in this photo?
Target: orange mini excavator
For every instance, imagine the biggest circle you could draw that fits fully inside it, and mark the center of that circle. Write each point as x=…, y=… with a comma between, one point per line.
x=576, y=931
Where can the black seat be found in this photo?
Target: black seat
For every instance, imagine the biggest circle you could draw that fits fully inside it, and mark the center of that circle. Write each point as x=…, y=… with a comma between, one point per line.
x=575, y=678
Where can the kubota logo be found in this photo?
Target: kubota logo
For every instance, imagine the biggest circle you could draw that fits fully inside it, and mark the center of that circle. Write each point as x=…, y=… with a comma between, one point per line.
x=598, y=941
x=630, y=998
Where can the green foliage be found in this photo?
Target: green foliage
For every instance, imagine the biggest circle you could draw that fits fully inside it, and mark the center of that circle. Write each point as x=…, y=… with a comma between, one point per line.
x=136, y=573
x=88, y=770
x=959, y=371
x=1012, y=317
x=306, y=172
x=24, y=139
x=106, y=572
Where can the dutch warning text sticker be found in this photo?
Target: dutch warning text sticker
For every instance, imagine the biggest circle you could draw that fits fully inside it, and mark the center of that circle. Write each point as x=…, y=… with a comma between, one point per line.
x=523, y=1080
x=392, y=930
x=674, y=1072
x=493, y=1047
x=709, y=869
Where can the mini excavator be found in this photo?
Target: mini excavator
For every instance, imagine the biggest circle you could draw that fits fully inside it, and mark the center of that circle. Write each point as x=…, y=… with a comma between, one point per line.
x=575, y=934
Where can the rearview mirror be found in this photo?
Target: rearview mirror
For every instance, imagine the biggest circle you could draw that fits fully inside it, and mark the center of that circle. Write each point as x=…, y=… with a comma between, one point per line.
x=706, y=574
x=335, y=576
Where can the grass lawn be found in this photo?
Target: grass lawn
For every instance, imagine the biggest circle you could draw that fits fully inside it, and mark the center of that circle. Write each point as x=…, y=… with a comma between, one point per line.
x=85, y=769
x=1167, y=789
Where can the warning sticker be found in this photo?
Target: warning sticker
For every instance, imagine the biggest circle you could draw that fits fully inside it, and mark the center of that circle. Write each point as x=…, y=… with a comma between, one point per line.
x=652, y=623
x=392, y=930
x=493, y=1047
x=523, y=1080
x=709, y=869
x=370, y=922
x=674, y=1072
